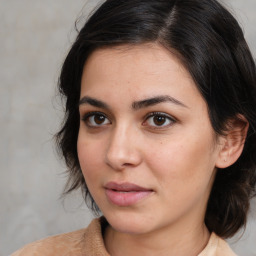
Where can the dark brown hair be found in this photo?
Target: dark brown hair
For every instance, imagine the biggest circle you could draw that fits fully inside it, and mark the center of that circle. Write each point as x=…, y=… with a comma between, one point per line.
x=211, y=45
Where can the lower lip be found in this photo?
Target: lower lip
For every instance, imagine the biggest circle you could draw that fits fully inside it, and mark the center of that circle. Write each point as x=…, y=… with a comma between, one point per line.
x=126, y=198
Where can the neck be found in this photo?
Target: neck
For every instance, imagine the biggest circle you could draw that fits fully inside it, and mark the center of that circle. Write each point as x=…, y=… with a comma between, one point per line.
x=183, y=242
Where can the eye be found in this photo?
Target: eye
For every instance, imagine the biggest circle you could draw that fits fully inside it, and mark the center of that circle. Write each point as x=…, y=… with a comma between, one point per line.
x=95, y=119
x=158, y=120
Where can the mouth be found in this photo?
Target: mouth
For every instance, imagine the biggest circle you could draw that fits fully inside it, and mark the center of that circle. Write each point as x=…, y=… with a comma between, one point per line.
x=126, y=194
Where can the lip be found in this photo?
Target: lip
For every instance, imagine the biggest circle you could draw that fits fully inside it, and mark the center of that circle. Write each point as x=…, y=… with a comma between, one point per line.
x=126, y=194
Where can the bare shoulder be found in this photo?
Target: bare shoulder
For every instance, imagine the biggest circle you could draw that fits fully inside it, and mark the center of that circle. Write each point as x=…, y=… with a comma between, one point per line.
x=65, y=245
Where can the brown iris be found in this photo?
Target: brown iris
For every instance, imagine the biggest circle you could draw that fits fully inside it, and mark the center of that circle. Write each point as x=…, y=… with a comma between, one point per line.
x=99, y=119
x=159, y=120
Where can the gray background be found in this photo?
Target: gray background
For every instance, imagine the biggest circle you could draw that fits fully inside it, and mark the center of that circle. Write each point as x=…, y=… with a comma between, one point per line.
x=35, y=36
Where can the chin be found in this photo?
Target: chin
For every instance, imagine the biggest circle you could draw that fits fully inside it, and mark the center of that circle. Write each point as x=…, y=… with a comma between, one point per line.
x=129, y=223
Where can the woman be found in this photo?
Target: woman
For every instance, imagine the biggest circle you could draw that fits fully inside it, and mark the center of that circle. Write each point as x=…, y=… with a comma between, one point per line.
x=159, y=131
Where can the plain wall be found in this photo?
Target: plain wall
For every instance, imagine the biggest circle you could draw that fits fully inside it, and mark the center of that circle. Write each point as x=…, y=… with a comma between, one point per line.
x=34, y=39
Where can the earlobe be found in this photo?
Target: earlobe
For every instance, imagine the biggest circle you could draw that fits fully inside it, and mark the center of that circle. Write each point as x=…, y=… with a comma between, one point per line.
x=232, y=143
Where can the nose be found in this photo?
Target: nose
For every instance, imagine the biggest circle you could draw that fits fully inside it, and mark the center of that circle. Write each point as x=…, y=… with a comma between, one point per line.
x=123, y=150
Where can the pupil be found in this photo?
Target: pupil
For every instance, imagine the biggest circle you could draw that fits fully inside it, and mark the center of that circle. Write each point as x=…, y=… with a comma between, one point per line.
x=99, y=119
x=159, y=120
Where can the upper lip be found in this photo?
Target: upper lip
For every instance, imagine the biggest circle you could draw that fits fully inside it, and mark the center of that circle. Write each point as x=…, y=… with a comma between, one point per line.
x=126, y=187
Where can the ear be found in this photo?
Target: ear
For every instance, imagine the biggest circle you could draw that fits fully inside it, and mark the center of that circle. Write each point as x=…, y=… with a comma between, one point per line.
x=232, y=143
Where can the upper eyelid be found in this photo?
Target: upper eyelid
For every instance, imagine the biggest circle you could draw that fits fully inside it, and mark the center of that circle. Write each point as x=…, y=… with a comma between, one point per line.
x=161, y=114
x=91, y=113
x=86, y=115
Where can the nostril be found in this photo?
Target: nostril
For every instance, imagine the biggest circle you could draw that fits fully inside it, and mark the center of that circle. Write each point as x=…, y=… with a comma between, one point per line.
x=127, y=164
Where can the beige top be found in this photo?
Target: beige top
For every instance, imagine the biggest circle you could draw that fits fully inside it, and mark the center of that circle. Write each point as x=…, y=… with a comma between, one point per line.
x=89, y=242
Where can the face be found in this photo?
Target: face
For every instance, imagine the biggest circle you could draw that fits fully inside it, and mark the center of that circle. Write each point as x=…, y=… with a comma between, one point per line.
x=146, y=146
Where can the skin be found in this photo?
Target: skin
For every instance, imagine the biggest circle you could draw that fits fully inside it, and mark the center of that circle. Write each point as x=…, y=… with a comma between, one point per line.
x=176, y=160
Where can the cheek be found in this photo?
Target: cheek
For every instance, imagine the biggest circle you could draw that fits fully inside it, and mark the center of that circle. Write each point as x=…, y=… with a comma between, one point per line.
x=184, y=175
x=89, y=155
x=183, y=161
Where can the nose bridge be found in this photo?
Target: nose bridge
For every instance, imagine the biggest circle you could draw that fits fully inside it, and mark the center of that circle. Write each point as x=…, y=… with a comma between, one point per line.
x=122, y=148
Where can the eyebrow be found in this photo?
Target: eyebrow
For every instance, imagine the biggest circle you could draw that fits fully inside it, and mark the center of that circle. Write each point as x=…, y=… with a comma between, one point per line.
x=156, y=100
x=93, y=102
x=135, y=105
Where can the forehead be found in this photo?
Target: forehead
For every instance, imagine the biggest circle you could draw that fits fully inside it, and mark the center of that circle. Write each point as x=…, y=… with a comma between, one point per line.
x=149, y=64
x=150, y=52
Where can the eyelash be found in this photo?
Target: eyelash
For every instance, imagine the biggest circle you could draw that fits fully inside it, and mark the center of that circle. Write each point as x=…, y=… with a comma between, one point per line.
x=87, y=116
x=161, y=115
